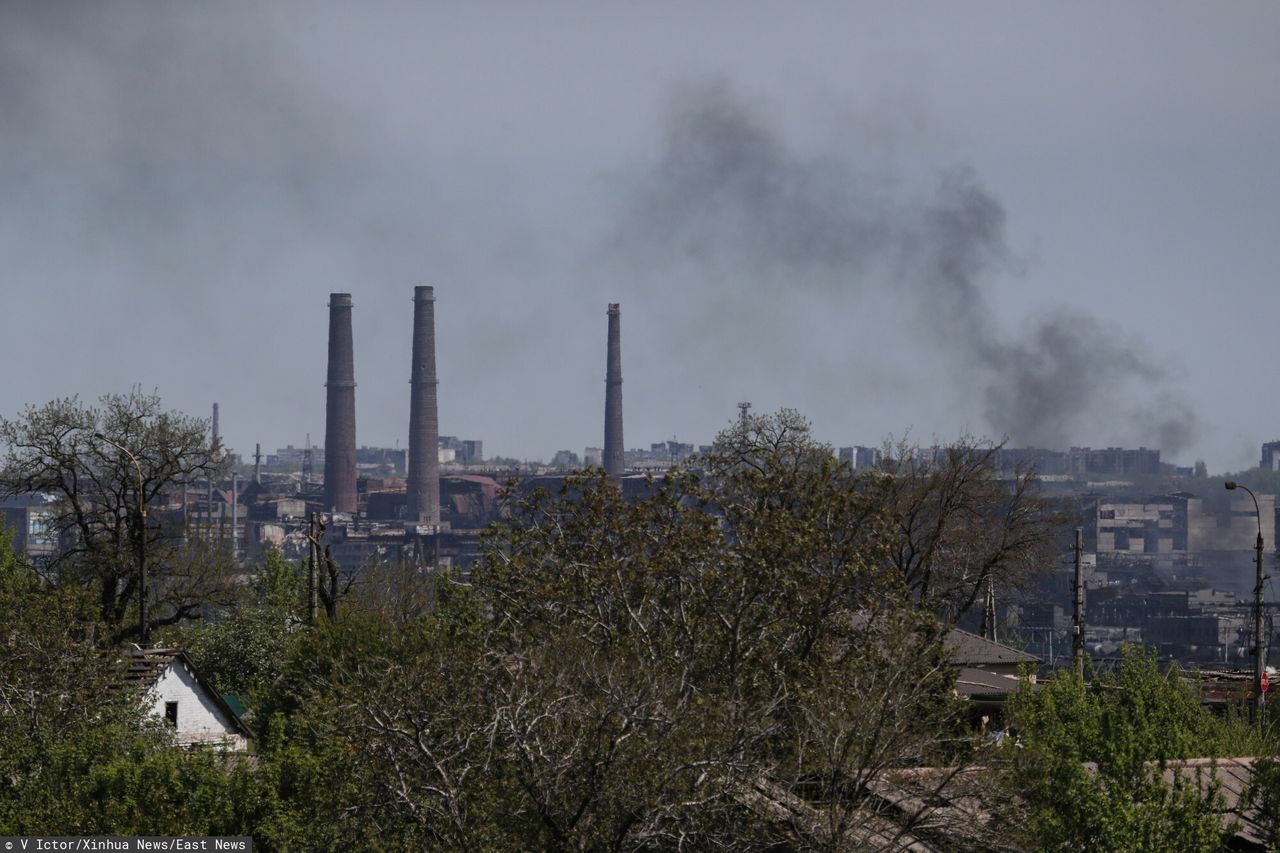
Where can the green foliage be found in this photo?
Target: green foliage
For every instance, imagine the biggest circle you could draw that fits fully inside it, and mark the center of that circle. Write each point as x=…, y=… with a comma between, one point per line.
x=738, y=659
x=665, y=655
x=681, y=669
x=379, y=721
x=114, y=777
x=1263, y=795
x=1093, y=760
x=78, y=754
x=16, y=575
x=241, y=651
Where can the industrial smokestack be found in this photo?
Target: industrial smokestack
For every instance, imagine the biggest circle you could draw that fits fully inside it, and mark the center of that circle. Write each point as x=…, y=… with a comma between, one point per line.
x=424, y=424
x=614, y=462
x=215, y=425
x=340, y=410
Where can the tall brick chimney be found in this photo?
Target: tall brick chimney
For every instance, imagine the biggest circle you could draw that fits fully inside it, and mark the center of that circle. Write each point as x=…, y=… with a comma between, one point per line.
x=424, y=423
x=614, y=463
x=340, y=410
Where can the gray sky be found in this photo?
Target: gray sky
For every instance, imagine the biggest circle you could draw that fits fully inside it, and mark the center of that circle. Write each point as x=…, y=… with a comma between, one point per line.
x=1057, y=222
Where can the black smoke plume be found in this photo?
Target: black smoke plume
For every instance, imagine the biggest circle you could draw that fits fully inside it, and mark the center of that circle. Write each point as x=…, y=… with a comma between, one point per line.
x=729, y=200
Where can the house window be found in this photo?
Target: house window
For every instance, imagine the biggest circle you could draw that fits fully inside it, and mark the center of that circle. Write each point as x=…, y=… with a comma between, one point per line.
x=171, y=713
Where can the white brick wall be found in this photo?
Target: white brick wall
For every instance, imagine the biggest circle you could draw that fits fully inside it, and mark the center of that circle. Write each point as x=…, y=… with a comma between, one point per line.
x=200, y=720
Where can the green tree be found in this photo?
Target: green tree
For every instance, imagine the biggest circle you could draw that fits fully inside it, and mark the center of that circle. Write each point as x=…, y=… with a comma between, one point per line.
x=726, y=662
x=378, y=736
x=55, y=449
x=702, y=665
x=1093, y=757
x=78, y=752
x=1263, y=796
x=241, y=649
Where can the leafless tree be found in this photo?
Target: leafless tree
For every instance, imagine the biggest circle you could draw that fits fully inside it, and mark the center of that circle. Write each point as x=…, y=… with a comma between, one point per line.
x=55, y=449
x=962, y=525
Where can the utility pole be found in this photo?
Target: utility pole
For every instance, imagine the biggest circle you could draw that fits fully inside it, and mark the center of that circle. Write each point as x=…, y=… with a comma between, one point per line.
x=235, y=520
x=313, y=557
x=989, y=612
x=1077, y=616
x=1259, y=650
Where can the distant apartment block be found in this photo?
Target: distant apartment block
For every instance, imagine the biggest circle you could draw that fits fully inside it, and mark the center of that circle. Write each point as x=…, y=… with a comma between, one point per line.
x=565, y=460
x=1081, y=462
x=383, y=461
x=29, y=517
x=859, y=457
x=466, y=451
x=662, y=454
x=293, y=458
x=1271, y=456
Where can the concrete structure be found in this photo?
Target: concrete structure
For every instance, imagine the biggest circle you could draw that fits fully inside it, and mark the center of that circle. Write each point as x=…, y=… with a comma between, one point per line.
x=467, y=451
x=340, y=410
x=30, y=517
x=1179, y=529
x=294, y=458
x=860, y=458
x=1271, y=456
x=382, y=461
x=565, y=460
x=423, y=488
x=1081, y=462
x=1143, y=529
x=660, y=456
x=174, y=692
x=614, y=458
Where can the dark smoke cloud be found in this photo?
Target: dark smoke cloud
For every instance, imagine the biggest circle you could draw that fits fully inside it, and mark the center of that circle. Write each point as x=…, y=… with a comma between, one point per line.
x=727, y=186
x=730, y=201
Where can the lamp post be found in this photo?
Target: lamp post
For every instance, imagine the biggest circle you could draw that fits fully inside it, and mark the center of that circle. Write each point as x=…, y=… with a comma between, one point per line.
x=142, y=541
x=1258, y=662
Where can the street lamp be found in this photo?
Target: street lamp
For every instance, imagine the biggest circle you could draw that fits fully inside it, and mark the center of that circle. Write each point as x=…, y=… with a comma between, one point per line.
x=142, y=540
x=1258, y=662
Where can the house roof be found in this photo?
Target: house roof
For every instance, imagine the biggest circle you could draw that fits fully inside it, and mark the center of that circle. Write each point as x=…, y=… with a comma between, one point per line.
x=143, y=669
x=1231, y=777
x=980, y=684
x=957, y=805
x=968, y=649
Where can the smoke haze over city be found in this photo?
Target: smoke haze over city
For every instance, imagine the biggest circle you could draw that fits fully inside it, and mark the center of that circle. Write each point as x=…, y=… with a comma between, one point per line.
x=1055, y=225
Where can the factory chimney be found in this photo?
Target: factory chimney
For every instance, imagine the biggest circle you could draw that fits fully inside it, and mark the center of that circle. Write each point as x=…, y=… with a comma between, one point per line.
x=214, y=431
x=340, y=410
x=424, y=424
x=614, y=462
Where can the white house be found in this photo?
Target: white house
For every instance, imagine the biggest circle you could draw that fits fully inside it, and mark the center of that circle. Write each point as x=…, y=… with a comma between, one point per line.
x=175, y=693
